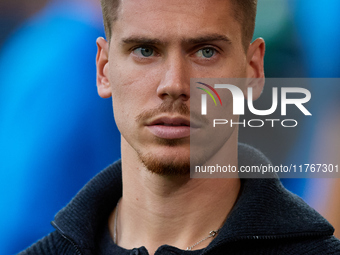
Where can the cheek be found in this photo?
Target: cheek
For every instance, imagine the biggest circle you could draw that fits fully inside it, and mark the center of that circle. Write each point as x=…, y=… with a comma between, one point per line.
x=128, y=78
x=133, y=88
x=133, y=91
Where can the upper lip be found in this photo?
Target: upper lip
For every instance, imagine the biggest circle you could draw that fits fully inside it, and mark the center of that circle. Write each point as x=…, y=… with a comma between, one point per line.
x=171, y=121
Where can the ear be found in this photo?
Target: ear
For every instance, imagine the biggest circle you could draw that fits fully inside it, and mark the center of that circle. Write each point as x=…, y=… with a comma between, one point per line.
x=255, y=70
x=102, y=63
x=255, y=56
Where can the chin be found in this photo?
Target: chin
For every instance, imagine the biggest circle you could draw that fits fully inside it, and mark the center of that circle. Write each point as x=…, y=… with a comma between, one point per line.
x=166, y=165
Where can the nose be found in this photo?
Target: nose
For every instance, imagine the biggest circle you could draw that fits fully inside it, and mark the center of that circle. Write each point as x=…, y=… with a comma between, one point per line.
x=175, y=83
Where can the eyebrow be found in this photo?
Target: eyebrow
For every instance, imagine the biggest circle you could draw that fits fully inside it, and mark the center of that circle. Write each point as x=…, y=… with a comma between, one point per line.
x=194, y=40
x=141, y=40
x=208, y=38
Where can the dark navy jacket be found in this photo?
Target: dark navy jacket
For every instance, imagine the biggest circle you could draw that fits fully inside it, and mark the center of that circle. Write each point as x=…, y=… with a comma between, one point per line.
x=267, y=219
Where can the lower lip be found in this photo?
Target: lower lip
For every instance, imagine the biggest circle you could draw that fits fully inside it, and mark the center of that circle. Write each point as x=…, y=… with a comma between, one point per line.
x=170, y=132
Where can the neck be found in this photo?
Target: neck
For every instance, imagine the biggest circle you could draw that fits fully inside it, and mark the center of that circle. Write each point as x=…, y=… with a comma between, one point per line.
x=178, y=211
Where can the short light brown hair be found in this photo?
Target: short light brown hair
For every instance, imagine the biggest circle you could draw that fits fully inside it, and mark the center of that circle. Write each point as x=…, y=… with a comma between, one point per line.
x=244, y=13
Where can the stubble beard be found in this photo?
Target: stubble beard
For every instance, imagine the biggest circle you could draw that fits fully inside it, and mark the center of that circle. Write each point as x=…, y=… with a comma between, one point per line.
x=171, y=166
x=165, y=167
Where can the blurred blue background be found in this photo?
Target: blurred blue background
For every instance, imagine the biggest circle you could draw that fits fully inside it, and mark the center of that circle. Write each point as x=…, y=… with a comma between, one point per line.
x=56, y=133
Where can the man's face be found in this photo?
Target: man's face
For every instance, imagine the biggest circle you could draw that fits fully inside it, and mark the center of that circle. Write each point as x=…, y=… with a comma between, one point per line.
x=156, y=47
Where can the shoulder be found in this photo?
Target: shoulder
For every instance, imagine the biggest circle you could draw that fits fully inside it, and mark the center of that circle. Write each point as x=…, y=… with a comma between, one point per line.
x=326, y=245
x=51, y=244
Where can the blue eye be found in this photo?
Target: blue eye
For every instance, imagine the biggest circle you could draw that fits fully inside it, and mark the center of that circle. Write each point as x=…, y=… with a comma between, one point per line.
x=206, y=52
x=144, y=51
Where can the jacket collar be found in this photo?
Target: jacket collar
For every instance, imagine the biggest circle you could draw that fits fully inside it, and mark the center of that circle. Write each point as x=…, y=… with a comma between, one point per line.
x=81, y=219
x=264, y=208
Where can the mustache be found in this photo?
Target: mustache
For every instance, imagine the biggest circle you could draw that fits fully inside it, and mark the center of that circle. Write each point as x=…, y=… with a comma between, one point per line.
x=171, y=107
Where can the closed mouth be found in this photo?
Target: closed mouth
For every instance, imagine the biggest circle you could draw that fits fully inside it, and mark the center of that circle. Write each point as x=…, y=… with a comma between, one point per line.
x=168, y=121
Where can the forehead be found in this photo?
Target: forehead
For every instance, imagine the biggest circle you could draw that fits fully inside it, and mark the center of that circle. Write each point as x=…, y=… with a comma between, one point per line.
x=176, y=18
